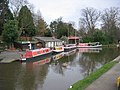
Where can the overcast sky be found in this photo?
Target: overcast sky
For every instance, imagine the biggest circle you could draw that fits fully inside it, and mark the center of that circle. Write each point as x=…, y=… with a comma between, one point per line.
x=69, y=9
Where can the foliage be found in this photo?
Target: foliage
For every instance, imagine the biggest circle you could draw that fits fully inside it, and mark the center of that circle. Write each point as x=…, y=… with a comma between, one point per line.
x=5, y=14
x=40, y=24
x=53, y=27
x=48, y=33
x=41, y=27
x=99, y=36
x=26, y=24
x=110, y=23
x=82, y=84
x=87, y=39
x=59, y=28
x=21, y=9
x=109, y=32
x=10, y=33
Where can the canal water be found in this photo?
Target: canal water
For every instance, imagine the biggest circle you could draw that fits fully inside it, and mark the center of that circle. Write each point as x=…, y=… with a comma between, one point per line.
x=57, y=72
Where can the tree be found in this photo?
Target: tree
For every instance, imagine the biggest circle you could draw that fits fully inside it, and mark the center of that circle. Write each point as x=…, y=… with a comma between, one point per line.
x=26, y=24
x=41, y=25
x=89, y=18
x=62, y=29
x=53, y=28
x=99, y=36
x=71, y=30
x=110, y=23
x=15, y=6
x=82, y=30
x=59, y=28
x=36, y=17
x=48, y=33
x=10, y=33
x=5, y=14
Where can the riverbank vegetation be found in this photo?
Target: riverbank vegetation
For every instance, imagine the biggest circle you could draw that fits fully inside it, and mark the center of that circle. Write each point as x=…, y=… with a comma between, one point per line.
x=94, y=25
x=82, y=84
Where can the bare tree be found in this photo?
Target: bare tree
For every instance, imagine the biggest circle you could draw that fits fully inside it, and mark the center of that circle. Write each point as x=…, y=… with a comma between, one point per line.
x=111, y=22
x=15, y=6
x=40, y=24
x=110, y=17
x=89, y=18
x=82, y=29
x=36, y=17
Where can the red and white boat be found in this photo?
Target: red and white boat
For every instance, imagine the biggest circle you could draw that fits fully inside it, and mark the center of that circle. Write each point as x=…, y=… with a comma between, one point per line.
x=69, y=47
x=89, y=45
x=58, y=49
x=36, y=54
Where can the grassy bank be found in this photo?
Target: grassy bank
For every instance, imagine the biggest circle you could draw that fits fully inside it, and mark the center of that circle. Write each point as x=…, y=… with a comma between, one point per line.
x=82, y=84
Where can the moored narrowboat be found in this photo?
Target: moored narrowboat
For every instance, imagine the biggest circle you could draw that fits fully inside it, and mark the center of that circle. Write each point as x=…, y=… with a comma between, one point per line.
x=89, y=45
x=69, y=47
x=58, y=49
x=32, y=55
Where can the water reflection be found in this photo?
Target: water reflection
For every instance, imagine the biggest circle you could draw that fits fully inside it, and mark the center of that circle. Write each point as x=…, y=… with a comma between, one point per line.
x=32, y=76
x=56, y=66
x=92, y=61
x=89, y=50
x=8, y=75
x=57, y=72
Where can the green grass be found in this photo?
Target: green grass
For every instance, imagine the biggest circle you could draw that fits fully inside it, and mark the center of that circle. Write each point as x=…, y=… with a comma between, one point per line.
x=82, y=84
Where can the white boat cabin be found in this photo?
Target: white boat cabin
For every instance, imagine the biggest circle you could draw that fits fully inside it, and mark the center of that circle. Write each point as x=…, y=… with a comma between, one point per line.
x=49, y=42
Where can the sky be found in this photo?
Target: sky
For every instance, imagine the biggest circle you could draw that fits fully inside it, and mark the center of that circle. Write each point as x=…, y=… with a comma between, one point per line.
x=69, y=10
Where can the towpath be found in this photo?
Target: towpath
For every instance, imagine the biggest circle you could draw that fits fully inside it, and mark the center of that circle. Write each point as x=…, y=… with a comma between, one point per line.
x=108, y=80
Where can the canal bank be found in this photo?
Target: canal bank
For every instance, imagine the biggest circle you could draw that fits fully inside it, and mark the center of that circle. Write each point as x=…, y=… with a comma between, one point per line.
x=9, y=56
x=107, y=81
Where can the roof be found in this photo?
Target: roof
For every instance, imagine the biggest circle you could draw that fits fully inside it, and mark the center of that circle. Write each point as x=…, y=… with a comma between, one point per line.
x=25, y=42
x=48, y=39
x=73, y=37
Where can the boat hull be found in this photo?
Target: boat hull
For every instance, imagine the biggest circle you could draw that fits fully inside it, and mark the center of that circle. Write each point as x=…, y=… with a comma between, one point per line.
x=66, y=49
x=58, y=51
x=96, y=46
x=36, y=58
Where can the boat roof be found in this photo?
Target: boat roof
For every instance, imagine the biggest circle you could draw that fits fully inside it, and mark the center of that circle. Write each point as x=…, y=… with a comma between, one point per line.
x=73, y=37
x=48, y=39
x=26, y=42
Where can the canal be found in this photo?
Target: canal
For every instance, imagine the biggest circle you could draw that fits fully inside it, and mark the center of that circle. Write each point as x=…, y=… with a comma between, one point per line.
x=57, y=72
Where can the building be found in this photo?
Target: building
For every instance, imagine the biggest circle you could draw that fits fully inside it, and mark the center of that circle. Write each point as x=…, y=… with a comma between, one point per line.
x=48, y=41
x=38, y=42
x=73, y=40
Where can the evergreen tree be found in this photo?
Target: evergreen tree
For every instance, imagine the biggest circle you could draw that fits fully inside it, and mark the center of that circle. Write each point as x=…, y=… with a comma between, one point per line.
x=59, y=28
x=26, y=24
x=5, y=14
x=10, y=32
